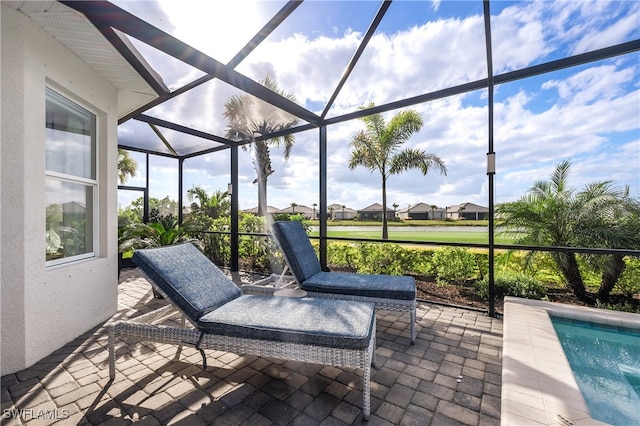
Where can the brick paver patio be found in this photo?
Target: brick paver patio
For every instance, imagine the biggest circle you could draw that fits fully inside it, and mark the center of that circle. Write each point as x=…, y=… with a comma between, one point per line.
x=450, y=376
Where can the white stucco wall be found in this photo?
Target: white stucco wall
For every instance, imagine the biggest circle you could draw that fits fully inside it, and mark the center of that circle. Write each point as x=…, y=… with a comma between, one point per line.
x=43, y=308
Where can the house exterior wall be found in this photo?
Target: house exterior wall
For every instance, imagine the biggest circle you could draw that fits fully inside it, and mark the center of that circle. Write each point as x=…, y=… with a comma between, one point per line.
x=43, y=308
x=374, y=215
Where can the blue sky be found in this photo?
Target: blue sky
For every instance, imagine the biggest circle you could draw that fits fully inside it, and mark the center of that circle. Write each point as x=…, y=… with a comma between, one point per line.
x=589, y=114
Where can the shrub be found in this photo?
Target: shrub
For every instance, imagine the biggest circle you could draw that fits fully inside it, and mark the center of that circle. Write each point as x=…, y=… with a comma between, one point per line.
x=379, y=258
x=341, y=255
x=508, y=283
x=217, y=246
x=382, y=258
x=453, y=265
x=629, y=283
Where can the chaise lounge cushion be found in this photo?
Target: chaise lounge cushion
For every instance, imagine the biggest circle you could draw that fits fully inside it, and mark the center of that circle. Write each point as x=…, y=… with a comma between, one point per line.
x=188, y=278
x=367, y=285
x=294, y=240
x=304, y=264
x=321, y=322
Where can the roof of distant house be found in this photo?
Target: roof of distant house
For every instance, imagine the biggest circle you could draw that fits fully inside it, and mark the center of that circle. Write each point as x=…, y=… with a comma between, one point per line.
x=299, y=208
x=467, y=207
x=375, y=207
x=254, y=210
x=421, y=208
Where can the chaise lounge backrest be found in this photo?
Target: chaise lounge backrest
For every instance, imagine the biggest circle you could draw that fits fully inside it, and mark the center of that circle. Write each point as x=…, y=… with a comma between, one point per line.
x=299, y=252
x=196, y=286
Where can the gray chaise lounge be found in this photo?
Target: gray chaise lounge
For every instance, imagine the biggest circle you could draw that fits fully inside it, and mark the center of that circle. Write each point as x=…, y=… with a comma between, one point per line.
x=391, y=292
x=328, y=332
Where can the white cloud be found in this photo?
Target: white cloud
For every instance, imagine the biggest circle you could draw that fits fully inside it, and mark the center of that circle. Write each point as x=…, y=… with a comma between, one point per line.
x=585, y=113
x=605, y=82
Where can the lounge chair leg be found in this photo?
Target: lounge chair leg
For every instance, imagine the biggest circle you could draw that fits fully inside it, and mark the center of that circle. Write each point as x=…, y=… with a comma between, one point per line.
x=204, y=356
x=112, y=353
x=373, y=353
x=413, y=326
x=204, y=359
x=366, y=391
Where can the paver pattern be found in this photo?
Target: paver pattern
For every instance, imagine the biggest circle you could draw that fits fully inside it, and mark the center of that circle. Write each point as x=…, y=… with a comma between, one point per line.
x=450, y=376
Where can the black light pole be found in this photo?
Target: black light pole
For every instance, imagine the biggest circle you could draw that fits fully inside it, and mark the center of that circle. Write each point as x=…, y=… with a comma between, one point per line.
x=180, y=171
x=323, y=195
x=233, y=188
x=491, y=159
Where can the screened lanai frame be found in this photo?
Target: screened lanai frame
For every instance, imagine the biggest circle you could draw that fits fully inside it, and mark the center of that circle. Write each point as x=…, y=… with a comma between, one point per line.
x=111, y=20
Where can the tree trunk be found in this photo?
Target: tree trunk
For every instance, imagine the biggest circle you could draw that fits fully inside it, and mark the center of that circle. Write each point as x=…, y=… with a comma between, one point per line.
x=569, y=266
x=613, y=268
x=262, y=165
x=385, y=234
x=262, y=197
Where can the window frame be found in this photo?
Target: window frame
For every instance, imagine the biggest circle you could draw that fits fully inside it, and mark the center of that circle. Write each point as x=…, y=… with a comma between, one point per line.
x=68, y=178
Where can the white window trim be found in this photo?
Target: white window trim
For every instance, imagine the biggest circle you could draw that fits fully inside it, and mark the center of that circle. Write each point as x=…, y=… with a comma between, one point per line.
x=81, y=180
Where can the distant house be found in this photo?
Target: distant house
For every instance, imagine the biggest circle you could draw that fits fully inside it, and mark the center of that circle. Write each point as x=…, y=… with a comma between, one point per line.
x=374, y=212
x=298, y=209
x=340, y=212
x=422, y=211
x=254, y=210
x=467, y=211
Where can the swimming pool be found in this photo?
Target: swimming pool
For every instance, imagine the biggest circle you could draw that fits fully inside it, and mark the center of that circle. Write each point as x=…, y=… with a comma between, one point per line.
x=538, y=385
x=606, y=364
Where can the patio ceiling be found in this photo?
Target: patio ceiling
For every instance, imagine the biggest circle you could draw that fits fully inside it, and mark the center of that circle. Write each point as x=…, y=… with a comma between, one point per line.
x=137, y=83
x=123, y=47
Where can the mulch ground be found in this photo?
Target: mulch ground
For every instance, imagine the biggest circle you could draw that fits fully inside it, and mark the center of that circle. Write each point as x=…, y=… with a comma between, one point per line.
x=466, y=296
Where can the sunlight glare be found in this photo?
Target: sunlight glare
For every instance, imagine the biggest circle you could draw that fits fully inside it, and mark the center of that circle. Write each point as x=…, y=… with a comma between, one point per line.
x=219, y=29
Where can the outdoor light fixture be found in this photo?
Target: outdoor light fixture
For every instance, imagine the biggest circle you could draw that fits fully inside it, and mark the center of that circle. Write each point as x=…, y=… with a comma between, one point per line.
x=491, y=163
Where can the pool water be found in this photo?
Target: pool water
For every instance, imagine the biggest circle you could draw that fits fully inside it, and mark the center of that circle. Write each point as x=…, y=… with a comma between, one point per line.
x=606, y=364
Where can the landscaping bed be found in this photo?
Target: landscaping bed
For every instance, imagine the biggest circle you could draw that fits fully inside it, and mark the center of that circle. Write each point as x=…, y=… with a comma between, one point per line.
x=467, y=296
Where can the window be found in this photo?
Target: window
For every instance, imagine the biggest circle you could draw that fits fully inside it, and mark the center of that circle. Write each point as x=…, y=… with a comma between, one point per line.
x=71, y=185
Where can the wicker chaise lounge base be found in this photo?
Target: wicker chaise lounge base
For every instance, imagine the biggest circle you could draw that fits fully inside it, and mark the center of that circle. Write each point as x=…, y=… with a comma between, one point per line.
x=396, y=293
x=336, y=333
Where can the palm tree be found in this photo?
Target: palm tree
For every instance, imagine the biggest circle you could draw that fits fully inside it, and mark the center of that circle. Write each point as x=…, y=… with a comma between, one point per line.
x=127, y=166
x=433, y=209
x=214, y=206
x=609, y=219
x=395, y=207
x=553, y=214
x=378, y=147
x=314, y=210
x=293, y=208
x=544, y=216
x=249, y=116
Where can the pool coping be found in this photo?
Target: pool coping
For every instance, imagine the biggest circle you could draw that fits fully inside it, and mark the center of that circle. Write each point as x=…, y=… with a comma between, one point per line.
x=537, y=382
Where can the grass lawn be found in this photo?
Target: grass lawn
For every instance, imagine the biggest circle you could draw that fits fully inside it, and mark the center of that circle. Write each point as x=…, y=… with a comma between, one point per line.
x=412, y=235
x=402, y=223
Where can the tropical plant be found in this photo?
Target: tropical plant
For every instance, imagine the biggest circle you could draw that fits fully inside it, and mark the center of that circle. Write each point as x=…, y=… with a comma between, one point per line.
x=553, y=214
x=378, y=147
x=158, y=208
x=127, y=166
x=156, y=234
x=249, y=116
x=610, y=219
x=206, y=208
